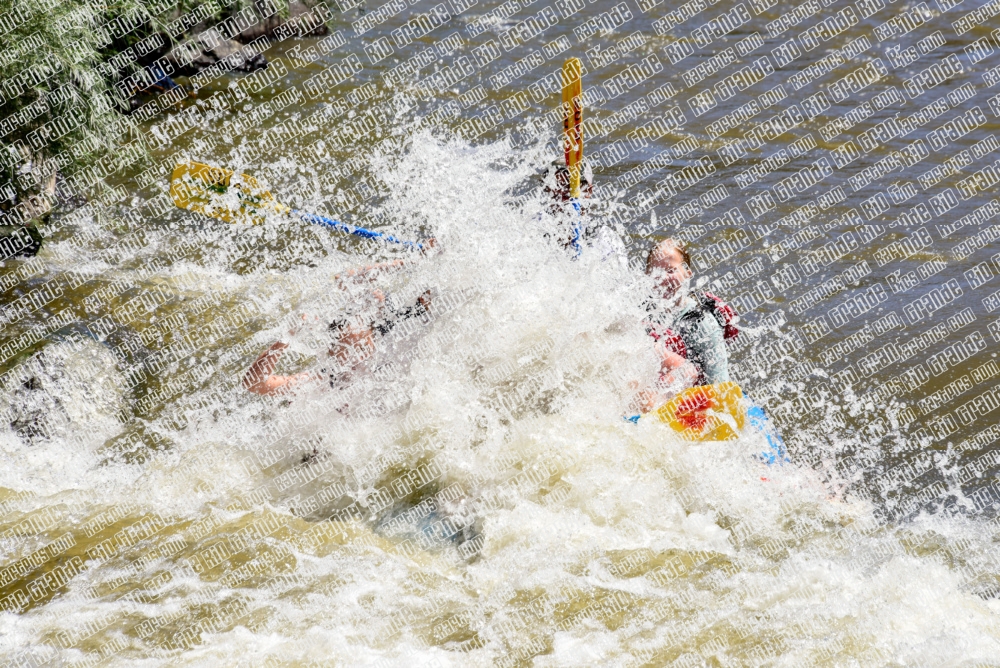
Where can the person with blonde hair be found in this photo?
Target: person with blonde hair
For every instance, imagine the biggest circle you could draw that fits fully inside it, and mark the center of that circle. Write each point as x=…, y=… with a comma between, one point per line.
x=690, y=329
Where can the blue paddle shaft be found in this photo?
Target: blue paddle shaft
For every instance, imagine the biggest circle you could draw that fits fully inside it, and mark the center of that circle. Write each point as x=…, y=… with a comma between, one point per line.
x=352, y=229
x=576, y=226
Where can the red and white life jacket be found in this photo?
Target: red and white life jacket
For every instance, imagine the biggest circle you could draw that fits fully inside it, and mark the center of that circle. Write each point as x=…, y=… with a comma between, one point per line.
x=725, y=314
x=707, y=303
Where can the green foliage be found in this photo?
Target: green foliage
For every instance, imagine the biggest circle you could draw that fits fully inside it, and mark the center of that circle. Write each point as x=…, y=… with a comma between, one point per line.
x=56, y=110
x=59, y=63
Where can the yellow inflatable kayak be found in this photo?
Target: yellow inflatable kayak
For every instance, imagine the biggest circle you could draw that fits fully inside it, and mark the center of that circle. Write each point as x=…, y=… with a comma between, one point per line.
x=719, y=413
x=706, y=413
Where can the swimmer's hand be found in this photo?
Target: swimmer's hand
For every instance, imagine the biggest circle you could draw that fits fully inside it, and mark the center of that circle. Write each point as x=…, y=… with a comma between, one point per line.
x=425, y=300
x=648, y=400
x=261, y=379
x=429, y=247
x=305, y=321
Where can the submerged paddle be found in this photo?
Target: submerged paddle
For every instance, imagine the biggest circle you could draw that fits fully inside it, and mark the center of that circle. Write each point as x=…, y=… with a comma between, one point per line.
x=214, y=192
x=572, y=100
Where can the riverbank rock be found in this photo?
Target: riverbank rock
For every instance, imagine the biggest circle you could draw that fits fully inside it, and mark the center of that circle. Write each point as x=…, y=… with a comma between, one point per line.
x=19, y=241
x=206, y=50
x=20, y=213
x=303, y=21
x=310, y=20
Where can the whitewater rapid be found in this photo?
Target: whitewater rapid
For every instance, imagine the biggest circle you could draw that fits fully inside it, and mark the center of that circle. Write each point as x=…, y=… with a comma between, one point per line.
x=482, y=502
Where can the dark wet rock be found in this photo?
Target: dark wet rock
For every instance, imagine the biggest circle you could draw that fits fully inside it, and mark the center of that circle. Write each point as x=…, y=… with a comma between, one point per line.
x=19, y=241
x=24, y=208
x=303, y=21
x=206, y=50
x=313, y=456
x=310, y=22
x=32, y=409
x=265, y=26
x=69, y=390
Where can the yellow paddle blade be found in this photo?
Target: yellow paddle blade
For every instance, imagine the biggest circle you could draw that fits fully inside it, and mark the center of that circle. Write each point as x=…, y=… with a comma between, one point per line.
x=220, y=193
x=706, y=413
x=572, y=100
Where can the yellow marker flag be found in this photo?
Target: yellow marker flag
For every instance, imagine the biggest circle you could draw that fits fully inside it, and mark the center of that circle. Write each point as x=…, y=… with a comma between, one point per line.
x=572, y=99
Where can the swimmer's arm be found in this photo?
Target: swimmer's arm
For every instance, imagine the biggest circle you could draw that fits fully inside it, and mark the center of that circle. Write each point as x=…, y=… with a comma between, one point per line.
x=676, y=374
x=259, y=378
x=369, y=272
x=675, y=370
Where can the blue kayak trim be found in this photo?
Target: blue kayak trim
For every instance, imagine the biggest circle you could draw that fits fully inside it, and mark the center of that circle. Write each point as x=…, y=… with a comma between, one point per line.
x=776, y=452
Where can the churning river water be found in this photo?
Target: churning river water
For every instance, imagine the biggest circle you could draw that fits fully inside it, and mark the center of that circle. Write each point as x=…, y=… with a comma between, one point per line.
x=478, y=499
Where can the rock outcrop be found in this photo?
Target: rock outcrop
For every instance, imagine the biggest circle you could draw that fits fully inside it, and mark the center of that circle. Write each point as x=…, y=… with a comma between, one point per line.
x=306, y=22
x=206, y=49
